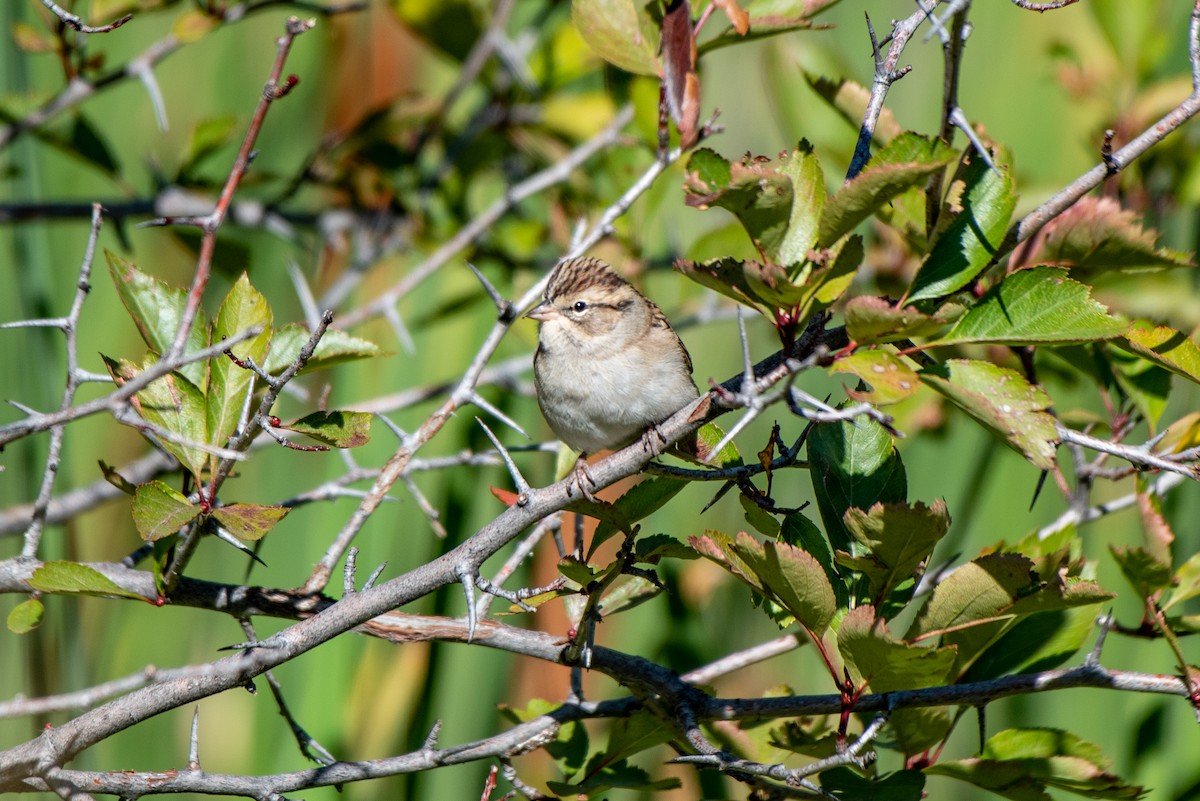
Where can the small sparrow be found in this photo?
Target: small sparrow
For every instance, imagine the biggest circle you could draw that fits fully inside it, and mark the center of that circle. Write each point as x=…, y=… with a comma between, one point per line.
x=608, y=364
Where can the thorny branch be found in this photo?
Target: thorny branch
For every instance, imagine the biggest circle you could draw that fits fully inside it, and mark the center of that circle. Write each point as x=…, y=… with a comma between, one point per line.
x=35, y=765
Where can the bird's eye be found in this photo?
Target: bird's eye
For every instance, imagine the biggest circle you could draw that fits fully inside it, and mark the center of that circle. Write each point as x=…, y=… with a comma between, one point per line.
x=579, y=306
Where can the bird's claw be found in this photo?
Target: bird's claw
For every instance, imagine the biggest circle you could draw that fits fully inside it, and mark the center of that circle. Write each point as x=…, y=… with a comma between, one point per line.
x=583, y=477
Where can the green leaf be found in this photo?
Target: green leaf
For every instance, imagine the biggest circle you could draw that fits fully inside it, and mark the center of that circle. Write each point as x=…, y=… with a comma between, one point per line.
x=803, y=169
x=1034, y=307
x=1147, y=574
x=618, y=775
x=159, y=511
x=338, y=429
x=1022, y=763
x=635, y=734
x=871, y=320
x=873, y=655
x=622, y=32
x=846, y=785
x=206, y=138
x=1003, y=401
x=1096, y=235
x=88, y=144
x=1186, y=584
x=757, y=192
x=173, y=403
x=800, y=532
x=248, y=521
x=74, y=578
x=642, y=499
x=853, y=464
x=906, y=162
x=579, y=572
x=243, y=308
x=1163, y=346
x=1035, y=643
x=570, y=745
x=981, y=590
x=25, y=616
x=891, y=380
x=708, y=437
x=792, y=578
x=157, y=309
x=335, y=347
x=717, y=546
x=898, y=538
x=968, y=243
x=763, y=287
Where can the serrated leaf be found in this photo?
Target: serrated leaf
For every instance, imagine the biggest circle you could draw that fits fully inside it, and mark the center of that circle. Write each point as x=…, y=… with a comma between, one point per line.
x=652, y=548
x=339, y=429
x=172, y=403
x=1096, y=235
x=899, y=538
x=967, y=244
x=642, y=499
x=159, y=511
x=74, y=578
x=906, y=162
x=243, y=308
x=792, y=578
x=891, y=380
x=853, y=464
x=248, y=521
x=1022, y=763
x=717, y=546
x=877, y=658
x=335, y=347
x=1147, y=573
x=1003, y=401
x=1163, y=346
x=622, y=32
x=981, y=590
x=803, y=169
x=757, y=192
x=25, y=616
x=871, y=320
x=763, y=287
x=157, y=309
x=1033, y=307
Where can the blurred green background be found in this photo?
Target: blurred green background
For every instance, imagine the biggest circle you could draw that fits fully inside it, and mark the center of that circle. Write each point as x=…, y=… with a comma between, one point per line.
x=1045, y=85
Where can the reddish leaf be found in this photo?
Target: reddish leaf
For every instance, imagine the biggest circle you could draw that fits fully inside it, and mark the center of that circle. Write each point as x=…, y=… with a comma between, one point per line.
x=681, y=84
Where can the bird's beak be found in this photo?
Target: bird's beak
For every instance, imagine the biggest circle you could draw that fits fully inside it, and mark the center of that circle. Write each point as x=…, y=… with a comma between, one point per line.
x=542, y=312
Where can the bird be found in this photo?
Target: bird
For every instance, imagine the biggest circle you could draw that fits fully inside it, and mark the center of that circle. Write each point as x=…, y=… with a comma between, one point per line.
x=608, y=366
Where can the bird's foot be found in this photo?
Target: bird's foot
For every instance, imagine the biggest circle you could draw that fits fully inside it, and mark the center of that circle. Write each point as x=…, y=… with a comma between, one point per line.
x=653, y=441
x=583, y=478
